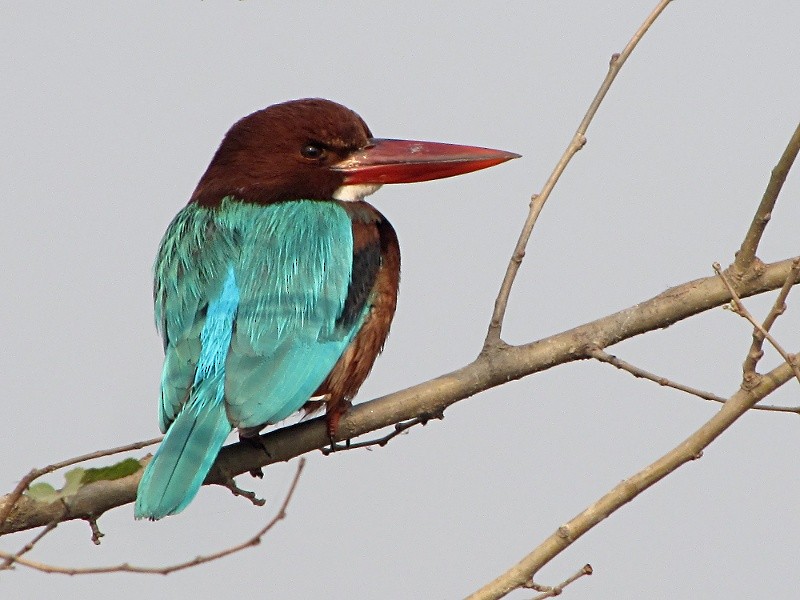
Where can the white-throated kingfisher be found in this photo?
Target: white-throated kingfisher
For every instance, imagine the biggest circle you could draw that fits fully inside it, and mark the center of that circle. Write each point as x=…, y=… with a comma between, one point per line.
x=276, y=285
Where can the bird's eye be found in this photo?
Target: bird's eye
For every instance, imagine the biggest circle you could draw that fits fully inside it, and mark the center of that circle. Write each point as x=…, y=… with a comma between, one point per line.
x=312, y=151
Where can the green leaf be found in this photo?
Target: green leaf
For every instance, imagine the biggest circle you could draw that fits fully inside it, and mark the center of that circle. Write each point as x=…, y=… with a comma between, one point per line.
x=42, y=492
x=117, y=471
x=76, y=478
x=73, y=482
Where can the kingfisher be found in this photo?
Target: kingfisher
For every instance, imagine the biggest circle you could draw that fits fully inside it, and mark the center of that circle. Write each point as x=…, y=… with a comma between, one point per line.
x=276, y=285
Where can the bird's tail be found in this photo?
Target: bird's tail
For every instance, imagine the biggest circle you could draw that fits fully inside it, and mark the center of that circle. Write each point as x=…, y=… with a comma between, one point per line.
x=179, y=466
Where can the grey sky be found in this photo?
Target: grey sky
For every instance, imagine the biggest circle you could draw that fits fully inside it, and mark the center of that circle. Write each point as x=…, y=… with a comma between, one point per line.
x=111, y=112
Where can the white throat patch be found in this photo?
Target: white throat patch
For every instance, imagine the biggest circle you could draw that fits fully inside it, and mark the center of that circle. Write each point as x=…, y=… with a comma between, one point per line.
x=355, y=192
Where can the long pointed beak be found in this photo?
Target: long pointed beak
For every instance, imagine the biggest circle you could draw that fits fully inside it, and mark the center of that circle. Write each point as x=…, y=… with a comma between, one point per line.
x=407, y=161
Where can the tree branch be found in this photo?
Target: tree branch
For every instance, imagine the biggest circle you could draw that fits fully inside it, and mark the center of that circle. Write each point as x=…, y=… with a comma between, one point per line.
x=690, y=449
x=778, y=308
x=126, y=568
x=10, y=500
x=759, y=329
x=622, y=365
x=399, y=429
x=10, y=559
x=489, y=370
x=577, y=142
x=747, y=252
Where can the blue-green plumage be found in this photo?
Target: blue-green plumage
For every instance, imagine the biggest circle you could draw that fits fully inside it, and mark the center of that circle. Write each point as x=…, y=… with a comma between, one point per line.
x=249, y=300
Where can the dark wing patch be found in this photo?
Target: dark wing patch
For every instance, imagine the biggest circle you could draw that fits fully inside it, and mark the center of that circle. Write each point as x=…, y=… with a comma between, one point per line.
x=366, y=262
x=355, y=364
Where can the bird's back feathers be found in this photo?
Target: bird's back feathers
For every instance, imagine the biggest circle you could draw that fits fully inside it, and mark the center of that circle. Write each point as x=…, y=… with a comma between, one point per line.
x=249, y=301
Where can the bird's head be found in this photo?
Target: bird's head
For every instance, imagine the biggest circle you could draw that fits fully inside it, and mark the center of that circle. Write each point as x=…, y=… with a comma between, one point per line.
x=320, y=150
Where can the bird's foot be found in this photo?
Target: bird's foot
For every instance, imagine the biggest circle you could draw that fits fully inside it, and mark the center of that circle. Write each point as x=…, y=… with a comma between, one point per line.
x=246, y=437
x=332, y=421
x=332, y=418
x=335, y=447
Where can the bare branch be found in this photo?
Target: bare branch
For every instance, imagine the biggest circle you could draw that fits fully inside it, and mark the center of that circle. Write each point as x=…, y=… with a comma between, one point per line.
x=663, y=381
x=741, y=310
x=577, y=142
x=778, y=308
x=641, y=373
x=747, y=252
x=690, y=449
x=427, y=398
x=199, y=560
x=9, y=561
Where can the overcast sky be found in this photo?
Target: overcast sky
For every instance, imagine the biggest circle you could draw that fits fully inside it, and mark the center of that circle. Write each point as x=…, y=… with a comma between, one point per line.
x=110, y=113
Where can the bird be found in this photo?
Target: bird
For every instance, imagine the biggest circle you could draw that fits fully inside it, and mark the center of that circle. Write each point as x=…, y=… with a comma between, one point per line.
x=275, y=286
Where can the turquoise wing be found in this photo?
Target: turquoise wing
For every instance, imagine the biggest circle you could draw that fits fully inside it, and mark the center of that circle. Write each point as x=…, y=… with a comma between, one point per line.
x=190, y=271
x=249, y=301
x=291, y=263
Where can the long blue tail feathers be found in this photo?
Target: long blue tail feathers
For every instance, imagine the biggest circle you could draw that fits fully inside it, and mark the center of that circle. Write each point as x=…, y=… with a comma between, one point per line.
x=177, y=470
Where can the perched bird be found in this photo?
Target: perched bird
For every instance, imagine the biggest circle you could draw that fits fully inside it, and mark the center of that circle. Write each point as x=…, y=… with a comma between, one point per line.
x=276, y=285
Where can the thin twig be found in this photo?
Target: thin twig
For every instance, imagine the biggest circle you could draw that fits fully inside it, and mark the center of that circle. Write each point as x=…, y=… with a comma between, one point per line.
x=741, y=310
x=556, y=590
x=9, y=561
x=617, y=362
x=398, y=429
x=199, y=560
x=747, y=252
x=778, y=308
x=247, y=494
x=577, y=142
x=96, y=533
x=641, y=373
x=34, y=474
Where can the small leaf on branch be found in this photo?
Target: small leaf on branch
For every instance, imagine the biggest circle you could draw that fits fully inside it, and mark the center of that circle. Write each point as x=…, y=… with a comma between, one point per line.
x=44, y=492
x=123, y=468
x=76, y=478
